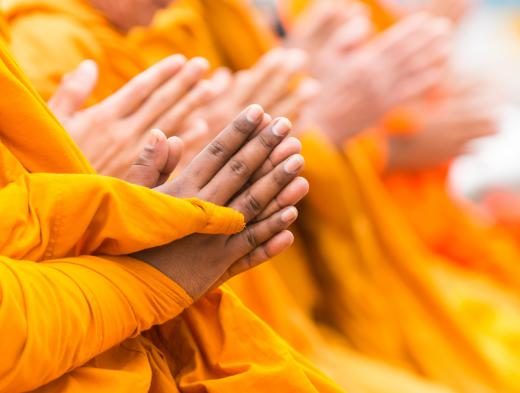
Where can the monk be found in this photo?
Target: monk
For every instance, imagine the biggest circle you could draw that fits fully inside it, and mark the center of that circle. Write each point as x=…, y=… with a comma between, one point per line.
x=92, y=353
x=351, y=371
x=412, y=147
x=469, y=370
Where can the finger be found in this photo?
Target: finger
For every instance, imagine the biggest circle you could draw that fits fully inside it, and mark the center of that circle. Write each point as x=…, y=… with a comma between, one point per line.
x=247, y=83
x=279, y=83
x=235, y=173
x=352, y=34
x=478, y=130
x=74, y=90
x=197, y=133
x=292, y=103
x=261, y=254
x=146, y=169
x=418, y=85
x=256, y=198
x=293, y=193
x=422, y=42
x=171, y=121
x=254, y=235
x=131, y=96
x=221, y=80
x=435, y=54
x=176, y=149
x=207, y=163
x=281, y=152
x=169, y=94
x=194, y=140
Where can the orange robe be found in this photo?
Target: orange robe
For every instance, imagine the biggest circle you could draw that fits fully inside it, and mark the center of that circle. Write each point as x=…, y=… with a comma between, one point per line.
x=77, y=315
x=361, y=281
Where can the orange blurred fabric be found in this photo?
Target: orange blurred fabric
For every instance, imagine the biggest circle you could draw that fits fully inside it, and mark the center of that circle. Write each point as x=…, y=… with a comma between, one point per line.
x=359, y=271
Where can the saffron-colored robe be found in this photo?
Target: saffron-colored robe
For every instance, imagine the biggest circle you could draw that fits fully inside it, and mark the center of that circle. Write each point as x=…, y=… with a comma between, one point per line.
x=197, y=32
x=367, y=309
x=76, y=314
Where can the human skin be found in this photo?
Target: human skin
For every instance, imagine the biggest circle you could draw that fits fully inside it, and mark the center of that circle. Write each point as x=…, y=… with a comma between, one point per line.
x=220, y=174
x=112, y=132
x=362, y=78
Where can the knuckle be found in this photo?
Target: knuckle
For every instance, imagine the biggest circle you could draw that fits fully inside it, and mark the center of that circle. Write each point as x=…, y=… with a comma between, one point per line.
x=238, y=167
x=266, y=142
x=280, y=177
x=252, y=204
x=216, y=149
x=250, y=237
x=145, y=157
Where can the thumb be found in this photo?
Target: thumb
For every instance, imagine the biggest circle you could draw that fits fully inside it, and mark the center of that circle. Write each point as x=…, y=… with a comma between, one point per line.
x=156, y=161
x=74, y=90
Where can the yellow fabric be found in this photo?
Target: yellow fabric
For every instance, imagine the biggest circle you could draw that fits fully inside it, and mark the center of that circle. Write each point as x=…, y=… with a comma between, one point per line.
x=75, y=31
x=378, y=336
x=447, y=323
x=79, y=323
x=381, y=17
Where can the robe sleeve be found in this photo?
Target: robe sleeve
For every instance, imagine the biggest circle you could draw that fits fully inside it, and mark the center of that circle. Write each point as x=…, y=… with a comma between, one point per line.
x=46, y=216
x=59, y=314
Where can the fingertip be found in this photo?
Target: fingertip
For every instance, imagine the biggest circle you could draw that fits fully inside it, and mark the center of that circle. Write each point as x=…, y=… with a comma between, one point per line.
x=294, y=164
x=289, y=215
x=207, y=89
x=304, y=184
x=282, y=126
x=281, y=242
x=221, y=79
x=288, y=237
x=176, y=142
x=292, y=145
x=200, y=63
x=175, y=61
x=254, y=113
x=89, y=66
x=155, y=136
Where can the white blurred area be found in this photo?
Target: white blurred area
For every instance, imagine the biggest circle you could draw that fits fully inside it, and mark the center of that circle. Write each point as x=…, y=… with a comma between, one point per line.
x=488, y=45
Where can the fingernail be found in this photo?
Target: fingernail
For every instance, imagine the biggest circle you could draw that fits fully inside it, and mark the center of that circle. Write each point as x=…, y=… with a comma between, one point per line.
x=87, y=66
x=282, y=127
x=254, y=113
x=294, y=164
x=199, y=64
x=290, y=214
x=176, y=59
x=154, y=136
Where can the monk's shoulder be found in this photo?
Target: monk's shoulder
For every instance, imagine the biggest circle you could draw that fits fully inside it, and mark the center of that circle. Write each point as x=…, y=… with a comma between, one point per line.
x=48, y=45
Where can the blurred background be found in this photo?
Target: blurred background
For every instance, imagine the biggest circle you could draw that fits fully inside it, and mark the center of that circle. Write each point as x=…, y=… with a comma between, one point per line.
x=488, y=44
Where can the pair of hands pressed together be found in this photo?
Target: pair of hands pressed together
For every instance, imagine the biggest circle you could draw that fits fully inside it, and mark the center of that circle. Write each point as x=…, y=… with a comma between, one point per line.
x=173, y=96
x=363, y=75
x=251, y=166
x=467, y=111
